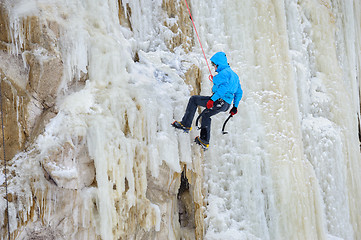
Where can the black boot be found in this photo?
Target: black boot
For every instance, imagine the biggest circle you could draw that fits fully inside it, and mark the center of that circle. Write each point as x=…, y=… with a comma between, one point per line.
x=201, y=142
x=179, y=125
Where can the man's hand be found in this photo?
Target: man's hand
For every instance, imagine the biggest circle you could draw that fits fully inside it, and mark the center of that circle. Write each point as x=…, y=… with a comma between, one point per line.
x=210, y=104
x=233, y=111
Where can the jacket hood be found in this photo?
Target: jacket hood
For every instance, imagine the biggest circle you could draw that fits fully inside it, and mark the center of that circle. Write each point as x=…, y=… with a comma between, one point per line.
x=220, y=60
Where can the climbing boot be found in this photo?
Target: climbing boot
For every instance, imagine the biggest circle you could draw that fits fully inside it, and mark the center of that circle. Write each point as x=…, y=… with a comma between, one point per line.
x=201, y=142
x=179, y=125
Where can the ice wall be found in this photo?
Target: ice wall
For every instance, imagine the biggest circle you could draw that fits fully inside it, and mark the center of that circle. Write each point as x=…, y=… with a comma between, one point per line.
x=109, y=161
x=108, y=164
x=295, y=153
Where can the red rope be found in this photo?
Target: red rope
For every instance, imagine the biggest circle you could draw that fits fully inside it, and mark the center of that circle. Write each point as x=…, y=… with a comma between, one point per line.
x=199, y=40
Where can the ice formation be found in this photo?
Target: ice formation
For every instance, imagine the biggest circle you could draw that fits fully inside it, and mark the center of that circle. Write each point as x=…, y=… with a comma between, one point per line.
x=108, y=163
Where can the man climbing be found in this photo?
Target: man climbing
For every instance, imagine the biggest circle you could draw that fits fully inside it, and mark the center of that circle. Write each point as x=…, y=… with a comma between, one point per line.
x=226, y=88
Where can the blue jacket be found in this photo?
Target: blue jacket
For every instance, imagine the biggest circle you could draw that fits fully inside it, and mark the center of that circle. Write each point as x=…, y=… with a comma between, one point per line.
x=226, y=83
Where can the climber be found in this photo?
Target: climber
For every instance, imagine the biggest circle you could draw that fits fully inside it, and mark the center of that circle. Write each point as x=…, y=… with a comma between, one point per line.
x=226, y=88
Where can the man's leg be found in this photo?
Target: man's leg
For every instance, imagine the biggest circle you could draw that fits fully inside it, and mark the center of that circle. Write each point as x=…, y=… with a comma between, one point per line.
x=219, y=106
x=193, y=103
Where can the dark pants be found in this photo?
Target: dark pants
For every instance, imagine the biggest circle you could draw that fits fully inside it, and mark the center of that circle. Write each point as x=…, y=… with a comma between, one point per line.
x=193, y=103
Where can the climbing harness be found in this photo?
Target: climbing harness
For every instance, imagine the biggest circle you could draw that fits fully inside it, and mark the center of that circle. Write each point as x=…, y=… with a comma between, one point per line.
x=210, y=76
x=6, y=179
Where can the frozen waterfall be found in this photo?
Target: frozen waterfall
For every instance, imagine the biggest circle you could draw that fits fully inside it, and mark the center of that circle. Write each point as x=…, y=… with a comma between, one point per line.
x=107, y=163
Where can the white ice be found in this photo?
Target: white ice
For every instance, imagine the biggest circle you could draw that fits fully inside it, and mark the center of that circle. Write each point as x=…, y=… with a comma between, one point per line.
x=289, y=167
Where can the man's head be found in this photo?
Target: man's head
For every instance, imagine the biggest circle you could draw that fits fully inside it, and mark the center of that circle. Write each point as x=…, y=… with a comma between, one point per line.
x=219, y=60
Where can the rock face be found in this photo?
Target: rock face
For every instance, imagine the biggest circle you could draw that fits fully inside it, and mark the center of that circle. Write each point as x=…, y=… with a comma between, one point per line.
x=31, y=77
x=89, y=90
x=55, y=193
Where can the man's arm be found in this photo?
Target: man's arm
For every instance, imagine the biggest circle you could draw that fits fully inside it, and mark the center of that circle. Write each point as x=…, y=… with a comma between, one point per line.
x=238, y=96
